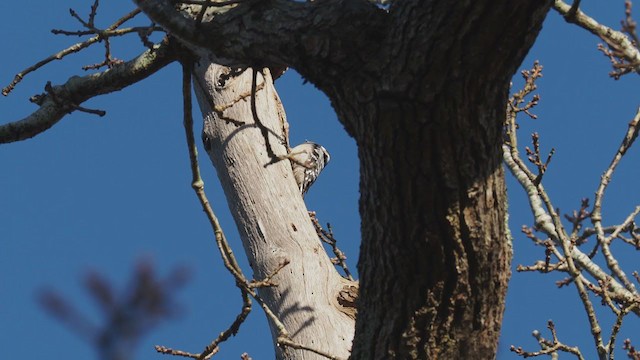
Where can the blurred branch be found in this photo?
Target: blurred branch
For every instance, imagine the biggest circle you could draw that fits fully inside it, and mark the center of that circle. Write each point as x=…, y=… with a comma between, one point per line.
x=130, y=315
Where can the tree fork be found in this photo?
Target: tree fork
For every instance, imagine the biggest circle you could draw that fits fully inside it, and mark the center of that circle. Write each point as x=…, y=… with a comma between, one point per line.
x=422, y=87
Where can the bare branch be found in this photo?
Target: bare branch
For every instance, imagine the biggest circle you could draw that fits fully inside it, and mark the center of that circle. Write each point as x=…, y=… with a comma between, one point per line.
x=198, y=186
x=266, y=282
x=596, y=214
x=100, y=35
x=620, y=46
x=632, y=353
x=169, y=351
x=254, y=112
x=548, y=347
x=620, y=315
x=79, y=89
x=627, y=142
x=548, y=221
x=328, y=238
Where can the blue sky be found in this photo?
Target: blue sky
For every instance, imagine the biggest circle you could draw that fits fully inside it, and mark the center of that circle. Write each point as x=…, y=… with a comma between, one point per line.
x=101, y=193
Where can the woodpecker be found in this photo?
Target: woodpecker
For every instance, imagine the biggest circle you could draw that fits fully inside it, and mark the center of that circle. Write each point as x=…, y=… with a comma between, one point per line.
x=307, y=160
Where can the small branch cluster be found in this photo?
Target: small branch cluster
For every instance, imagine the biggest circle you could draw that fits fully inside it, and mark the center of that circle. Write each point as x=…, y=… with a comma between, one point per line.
x=99, y=35
x=621, y=47
x=518, y=99
x=620, y=62
x=520, y=102
x=535, y=158
x=562, y=248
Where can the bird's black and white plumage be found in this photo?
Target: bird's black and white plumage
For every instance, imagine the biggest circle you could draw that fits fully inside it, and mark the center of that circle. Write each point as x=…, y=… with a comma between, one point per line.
x=307, y=160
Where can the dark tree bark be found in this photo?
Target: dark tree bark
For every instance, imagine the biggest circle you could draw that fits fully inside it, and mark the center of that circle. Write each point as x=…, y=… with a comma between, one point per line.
x=435, y=257
x=422, y=88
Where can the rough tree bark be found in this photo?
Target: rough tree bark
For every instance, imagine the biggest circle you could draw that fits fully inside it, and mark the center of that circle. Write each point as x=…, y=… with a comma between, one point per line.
x=422, y=88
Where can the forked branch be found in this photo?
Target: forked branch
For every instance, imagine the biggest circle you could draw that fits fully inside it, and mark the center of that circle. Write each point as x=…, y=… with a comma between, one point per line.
x=562, y=251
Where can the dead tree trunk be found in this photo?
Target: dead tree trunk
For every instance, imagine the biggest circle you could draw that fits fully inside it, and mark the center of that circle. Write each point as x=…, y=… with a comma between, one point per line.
x=269, y=211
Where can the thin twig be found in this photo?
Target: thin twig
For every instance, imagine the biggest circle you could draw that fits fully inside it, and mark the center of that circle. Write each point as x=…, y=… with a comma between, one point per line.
x=596, y=213
x=254, y=111
x=618, y=325
x=548, y=347
x=198, y=186
x=266, y=282
x=622, y=51
x=328, y=238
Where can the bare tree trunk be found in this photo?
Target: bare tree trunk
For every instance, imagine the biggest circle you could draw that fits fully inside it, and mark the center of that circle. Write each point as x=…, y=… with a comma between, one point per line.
x=269, y=211
x=422, y=87
x=435, y=256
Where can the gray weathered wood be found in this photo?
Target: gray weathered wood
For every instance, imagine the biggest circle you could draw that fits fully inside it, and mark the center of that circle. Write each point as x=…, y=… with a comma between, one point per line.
x=270, y=213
